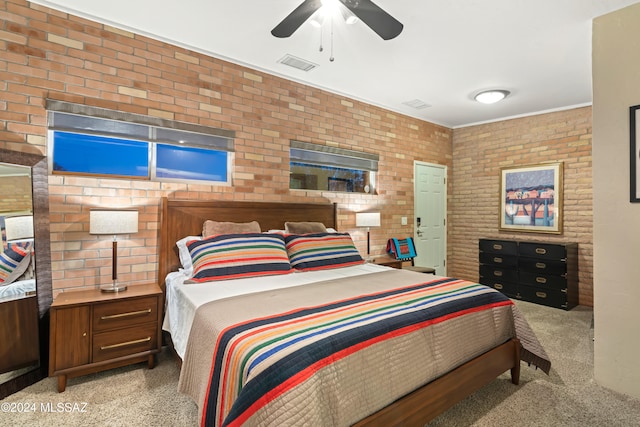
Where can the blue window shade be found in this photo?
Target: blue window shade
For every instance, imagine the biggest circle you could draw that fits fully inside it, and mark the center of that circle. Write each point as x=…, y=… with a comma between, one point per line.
x=100, y=155
x=189, y=163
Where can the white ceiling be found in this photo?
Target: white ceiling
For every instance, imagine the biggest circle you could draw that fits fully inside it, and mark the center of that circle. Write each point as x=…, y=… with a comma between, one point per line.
x=540, y=50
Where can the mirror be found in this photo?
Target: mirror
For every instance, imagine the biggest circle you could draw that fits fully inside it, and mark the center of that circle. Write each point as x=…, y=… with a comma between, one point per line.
x=25, y=270
x=18, y=304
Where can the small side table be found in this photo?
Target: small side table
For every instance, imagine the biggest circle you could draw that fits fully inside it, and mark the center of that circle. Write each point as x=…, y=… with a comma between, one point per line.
x=388, y=261
x=92, y=331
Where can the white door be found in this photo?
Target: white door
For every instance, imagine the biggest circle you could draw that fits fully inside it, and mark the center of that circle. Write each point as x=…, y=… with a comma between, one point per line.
x=430, y=210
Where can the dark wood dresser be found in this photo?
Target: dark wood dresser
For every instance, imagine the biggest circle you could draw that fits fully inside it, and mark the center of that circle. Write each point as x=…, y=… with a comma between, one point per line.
x=539, y=272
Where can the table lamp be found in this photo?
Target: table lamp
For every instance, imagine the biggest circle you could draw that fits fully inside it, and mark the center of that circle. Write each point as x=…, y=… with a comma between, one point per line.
x=19, y=227
x=368, y=219
x=108, y=221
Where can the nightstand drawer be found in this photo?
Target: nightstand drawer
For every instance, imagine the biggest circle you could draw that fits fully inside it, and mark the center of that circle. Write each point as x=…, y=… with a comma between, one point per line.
x=117, y=314
x=123, y=342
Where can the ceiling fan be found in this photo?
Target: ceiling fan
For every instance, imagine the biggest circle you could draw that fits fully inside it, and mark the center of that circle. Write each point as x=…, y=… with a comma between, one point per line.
x=383, y=24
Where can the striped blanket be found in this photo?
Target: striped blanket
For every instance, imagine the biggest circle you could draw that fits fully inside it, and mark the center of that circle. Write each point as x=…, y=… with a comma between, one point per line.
x=334, y=352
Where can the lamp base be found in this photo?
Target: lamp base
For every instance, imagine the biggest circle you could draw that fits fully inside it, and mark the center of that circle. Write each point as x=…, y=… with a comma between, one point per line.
x=114, y=287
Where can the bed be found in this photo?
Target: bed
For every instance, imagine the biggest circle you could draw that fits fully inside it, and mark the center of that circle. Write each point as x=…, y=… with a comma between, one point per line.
x=402, y=385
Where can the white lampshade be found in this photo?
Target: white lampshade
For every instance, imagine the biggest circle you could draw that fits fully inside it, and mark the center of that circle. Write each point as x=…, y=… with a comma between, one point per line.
x=368, y=219
x=103, y=221
x=19, y=227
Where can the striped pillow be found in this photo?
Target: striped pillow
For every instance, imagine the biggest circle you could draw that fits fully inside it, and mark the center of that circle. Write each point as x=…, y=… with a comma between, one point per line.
x=233, y=256
x=13, y=262
x=322, y=250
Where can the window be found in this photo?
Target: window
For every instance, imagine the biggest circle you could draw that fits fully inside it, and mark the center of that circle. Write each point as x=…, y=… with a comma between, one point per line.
x=98, y=155
x=93, y=141
x=189, y=163
x=318, y=167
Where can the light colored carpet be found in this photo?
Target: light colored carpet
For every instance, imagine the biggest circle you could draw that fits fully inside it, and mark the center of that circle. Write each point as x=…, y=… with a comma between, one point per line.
x=136, y=396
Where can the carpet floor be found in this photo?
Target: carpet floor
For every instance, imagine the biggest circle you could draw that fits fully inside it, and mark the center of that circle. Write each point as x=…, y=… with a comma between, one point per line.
x=136, y=396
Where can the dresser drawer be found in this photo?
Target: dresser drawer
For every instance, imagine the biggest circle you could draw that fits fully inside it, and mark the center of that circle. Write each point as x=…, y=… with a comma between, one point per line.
x=542, y=250
x=542, y=266
x=508, y=289
x=543, y=280
x=123, y=342
x=498, y=273
x=502, y=247
x=498, y=259
x=117, y=314
x=549, y=297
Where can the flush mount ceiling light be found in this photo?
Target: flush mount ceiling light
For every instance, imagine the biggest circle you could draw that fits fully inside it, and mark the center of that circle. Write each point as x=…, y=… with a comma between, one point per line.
x=491, y=96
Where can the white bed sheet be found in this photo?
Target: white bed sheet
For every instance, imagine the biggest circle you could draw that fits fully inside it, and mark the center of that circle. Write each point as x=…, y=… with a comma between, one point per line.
x=182, y=300
x=18, y=288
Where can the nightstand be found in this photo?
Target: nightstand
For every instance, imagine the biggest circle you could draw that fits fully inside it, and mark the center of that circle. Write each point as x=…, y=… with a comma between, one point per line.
x=92, y=331
x=388, y=261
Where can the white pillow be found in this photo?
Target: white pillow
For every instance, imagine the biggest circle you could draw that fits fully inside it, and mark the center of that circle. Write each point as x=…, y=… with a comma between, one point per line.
x=277, y=232
x=185, y=256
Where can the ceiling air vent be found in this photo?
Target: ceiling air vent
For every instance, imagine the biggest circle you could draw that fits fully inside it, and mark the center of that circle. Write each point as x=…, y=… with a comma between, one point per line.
x=417, y=104
x=298, y=63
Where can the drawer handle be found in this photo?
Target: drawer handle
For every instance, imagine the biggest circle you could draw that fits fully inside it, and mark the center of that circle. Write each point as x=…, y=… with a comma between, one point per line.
x=497, y=260
x=123, y=344
x=497, y=246
x=541, y=265
x=497, y=286
x=497, y=273
x=131, y=313
x=541, y=251
x=541, y=294
x=541, y=280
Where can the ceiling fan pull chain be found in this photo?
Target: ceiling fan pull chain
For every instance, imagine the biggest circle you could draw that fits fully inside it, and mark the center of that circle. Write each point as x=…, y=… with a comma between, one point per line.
x=331, y=58
x=321, y=31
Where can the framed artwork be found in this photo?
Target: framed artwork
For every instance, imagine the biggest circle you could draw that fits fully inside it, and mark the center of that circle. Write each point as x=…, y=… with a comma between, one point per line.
x=634, y=133
x=531, y=198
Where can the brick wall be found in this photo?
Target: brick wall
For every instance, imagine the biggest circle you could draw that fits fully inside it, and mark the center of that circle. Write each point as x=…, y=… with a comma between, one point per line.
x=16, y=193
x=49, y=54
x=478, y=154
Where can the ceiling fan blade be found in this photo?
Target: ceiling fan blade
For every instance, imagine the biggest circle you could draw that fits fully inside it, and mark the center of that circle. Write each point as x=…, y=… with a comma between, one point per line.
x=296, y=18
x=383, y=24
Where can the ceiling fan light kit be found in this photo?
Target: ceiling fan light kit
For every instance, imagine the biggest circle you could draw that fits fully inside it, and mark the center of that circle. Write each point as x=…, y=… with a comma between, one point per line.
x=491, y=96
x=383, y=24
x=348, y=16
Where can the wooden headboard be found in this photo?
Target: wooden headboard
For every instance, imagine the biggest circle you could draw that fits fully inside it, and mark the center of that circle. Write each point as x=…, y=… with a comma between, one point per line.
x=181, y=218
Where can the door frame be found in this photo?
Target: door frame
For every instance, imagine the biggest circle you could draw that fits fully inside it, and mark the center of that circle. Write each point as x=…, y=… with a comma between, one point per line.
x=446, y=196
